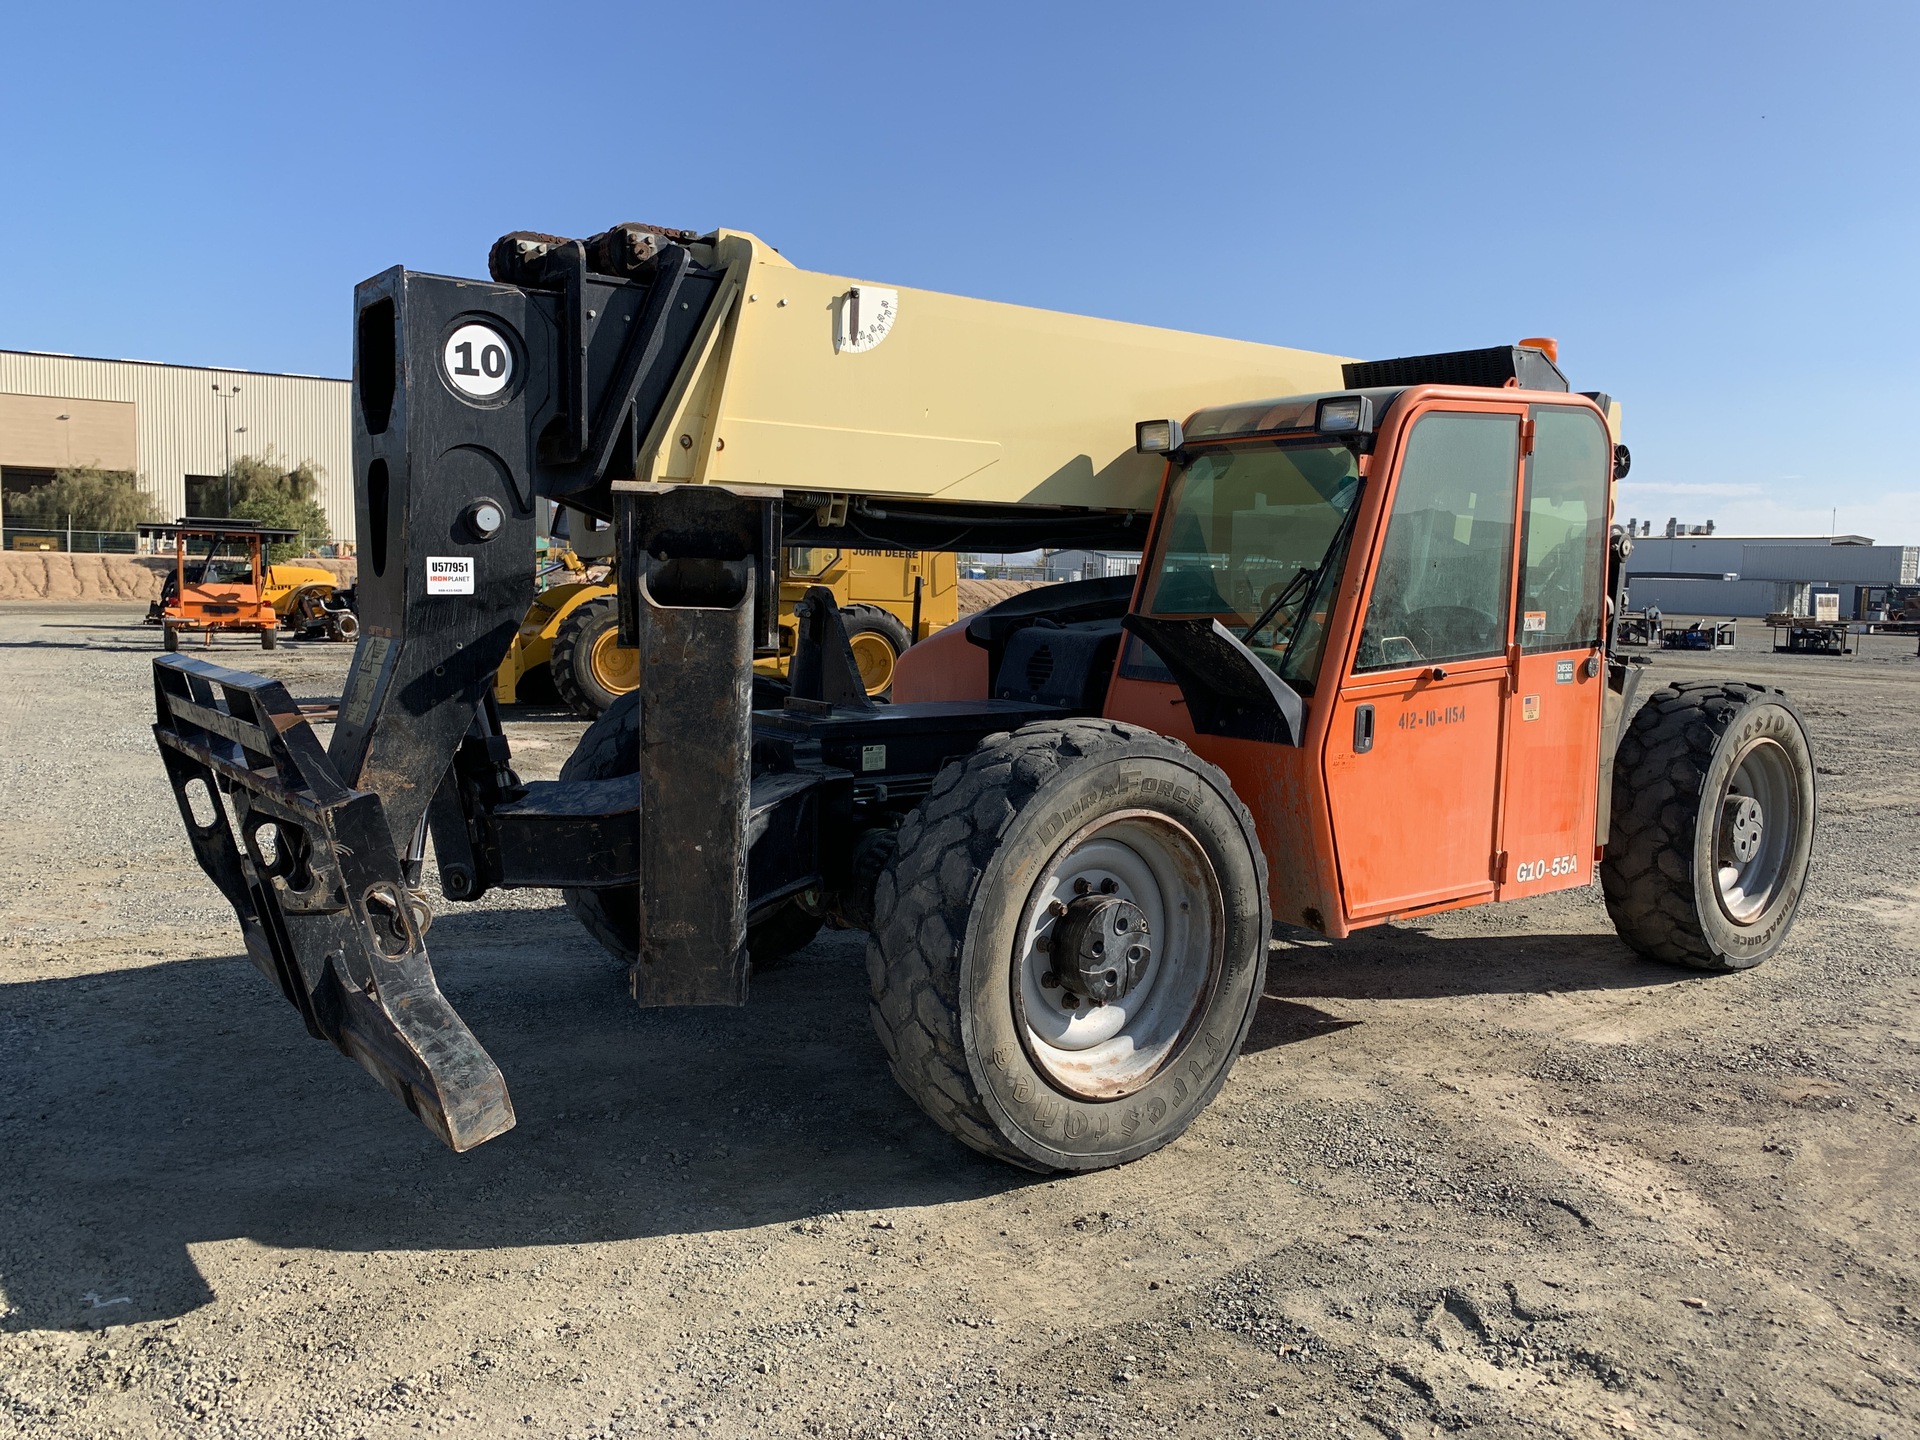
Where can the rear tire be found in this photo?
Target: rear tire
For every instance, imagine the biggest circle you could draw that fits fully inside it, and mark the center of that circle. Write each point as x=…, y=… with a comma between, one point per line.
x=590, y=669
x=610, y=749
x=784, y=931
x=976, y=1024
x=1714, y=809
x=879, y=639
x=269, y=639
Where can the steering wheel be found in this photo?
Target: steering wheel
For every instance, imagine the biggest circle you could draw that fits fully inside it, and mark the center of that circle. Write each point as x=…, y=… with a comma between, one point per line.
x=1451, y=629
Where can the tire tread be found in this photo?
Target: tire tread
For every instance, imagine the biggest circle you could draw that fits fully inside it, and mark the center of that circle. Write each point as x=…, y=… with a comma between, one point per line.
x=1660, y=770
x=922, y=903
x=569, y=654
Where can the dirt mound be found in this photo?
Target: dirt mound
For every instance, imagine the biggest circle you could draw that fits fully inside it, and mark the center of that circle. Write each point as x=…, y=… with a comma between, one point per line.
x=979, y=594
x=53, y=575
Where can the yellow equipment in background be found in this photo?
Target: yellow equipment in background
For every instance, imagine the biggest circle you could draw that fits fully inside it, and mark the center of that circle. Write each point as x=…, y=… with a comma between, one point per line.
x=573, y=628
x=311, y=602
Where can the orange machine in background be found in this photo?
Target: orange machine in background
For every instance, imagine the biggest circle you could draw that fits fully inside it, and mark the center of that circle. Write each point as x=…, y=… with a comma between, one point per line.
x=220, y=580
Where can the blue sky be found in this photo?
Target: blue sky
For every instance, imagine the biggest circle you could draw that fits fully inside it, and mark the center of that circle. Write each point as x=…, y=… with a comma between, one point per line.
x=1714, y=208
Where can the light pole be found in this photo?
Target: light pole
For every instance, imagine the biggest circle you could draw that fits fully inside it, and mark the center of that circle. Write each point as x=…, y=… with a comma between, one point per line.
x=226, y=434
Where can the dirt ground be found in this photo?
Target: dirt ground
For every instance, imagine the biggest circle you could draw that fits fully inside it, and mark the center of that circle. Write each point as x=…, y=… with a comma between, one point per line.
x=1488, y=1173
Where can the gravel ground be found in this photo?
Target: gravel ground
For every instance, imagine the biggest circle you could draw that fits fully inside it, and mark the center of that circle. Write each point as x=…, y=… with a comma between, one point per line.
x=1485, y=1173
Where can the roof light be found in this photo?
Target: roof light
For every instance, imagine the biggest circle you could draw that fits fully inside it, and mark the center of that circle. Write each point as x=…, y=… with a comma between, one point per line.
x=1344, y=414
x=1547, y=347
x=1157, y=437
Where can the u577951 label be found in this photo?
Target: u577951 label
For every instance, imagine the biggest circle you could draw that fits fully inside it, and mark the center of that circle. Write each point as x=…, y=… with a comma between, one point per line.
x=449, y=575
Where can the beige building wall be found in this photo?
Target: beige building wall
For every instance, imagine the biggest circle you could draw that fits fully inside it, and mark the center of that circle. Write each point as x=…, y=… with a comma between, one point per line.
x=166, y=422
x=46, y=433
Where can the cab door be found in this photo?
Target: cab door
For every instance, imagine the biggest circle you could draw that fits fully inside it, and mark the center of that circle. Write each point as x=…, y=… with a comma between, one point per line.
x=1553, y=722
x=1413, y=753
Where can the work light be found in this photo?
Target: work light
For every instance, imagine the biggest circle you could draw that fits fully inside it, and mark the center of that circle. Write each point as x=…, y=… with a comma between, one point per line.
x=1341, y=414
x=1157, y=437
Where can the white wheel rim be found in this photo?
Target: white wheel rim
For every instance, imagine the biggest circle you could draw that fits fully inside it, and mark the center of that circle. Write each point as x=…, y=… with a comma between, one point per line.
x=1102, y=1052
x=1754, y=831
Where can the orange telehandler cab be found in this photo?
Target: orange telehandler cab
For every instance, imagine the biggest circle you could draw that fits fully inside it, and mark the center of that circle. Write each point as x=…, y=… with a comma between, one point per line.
x=1365, y=673
x=1383, y=616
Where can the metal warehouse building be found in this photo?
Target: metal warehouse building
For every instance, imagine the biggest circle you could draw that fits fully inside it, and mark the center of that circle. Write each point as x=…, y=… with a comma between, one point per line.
x=175, y=426
x=1745, y=575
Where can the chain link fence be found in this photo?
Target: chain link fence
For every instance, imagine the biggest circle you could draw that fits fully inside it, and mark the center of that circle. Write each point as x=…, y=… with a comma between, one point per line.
x=18, y=538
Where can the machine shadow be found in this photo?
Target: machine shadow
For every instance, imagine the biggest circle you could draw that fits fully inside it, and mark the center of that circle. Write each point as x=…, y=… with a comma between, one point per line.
x=1402, y=962
x=1393, y=962
x=92, y=647
x=146, y=1111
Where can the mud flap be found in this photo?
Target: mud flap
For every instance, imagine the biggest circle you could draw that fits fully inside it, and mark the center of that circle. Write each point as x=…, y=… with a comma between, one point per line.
x=311, y=871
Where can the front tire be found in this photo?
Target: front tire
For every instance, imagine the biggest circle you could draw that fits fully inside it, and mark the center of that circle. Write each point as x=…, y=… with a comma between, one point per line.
x=1713, y=824
x=878, y=639
x=1000, y=1013
x=590, y=668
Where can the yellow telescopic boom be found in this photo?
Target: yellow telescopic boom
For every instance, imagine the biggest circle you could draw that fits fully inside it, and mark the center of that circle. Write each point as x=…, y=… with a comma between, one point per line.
x=801, y=380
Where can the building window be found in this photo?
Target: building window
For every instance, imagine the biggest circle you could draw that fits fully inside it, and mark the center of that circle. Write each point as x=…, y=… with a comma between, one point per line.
x=207, y=495
x=19, y=479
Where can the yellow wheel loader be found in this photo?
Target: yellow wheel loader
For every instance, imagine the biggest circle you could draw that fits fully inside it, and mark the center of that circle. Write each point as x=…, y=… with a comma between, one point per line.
x=311, y=602
x=1363, y=676
x=888, y=600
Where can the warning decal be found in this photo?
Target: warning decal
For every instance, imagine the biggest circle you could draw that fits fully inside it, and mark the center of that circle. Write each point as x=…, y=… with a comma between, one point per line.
x=449, y=575
x=369, y=659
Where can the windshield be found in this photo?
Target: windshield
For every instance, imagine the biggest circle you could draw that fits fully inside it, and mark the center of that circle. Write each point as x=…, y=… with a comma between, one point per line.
x=218, y=560
x=1254, y=536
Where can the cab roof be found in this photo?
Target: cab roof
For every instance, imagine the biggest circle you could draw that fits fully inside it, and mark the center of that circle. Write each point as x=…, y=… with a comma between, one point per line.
x=1497, y=367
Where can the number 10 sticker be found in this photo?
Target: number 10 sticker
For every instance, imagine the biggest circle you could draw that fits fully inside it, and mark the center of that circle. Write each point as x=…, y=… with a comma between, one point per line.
x=478, y=361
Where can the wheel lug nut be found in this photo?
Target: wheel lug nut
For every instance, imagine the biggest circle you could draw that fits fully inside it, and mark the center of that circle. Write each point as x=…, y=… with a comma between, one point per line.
x=1050, y=981
x=1043, y=943
x=1109, y=885
x=1057, y=907
x=1082, y=885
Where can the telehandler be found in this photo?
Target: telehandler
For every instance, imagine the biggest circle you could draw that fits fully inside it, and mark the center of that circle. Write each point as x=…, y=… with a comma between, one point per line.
x=1361, y=677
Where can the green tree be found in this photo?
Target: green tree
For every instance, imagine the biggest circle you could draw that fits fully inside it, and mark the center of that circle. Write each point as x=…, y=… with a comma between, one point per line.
x=95, y=499
x=283, y=499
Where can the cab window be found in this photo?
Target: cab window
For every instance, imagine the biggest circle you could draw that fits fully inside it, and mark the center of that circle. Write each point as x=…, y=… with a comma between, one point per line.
x=809, y=562
x=1563, y=531
x=213, y=560
x=1253, y=535
x=1440, y=590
